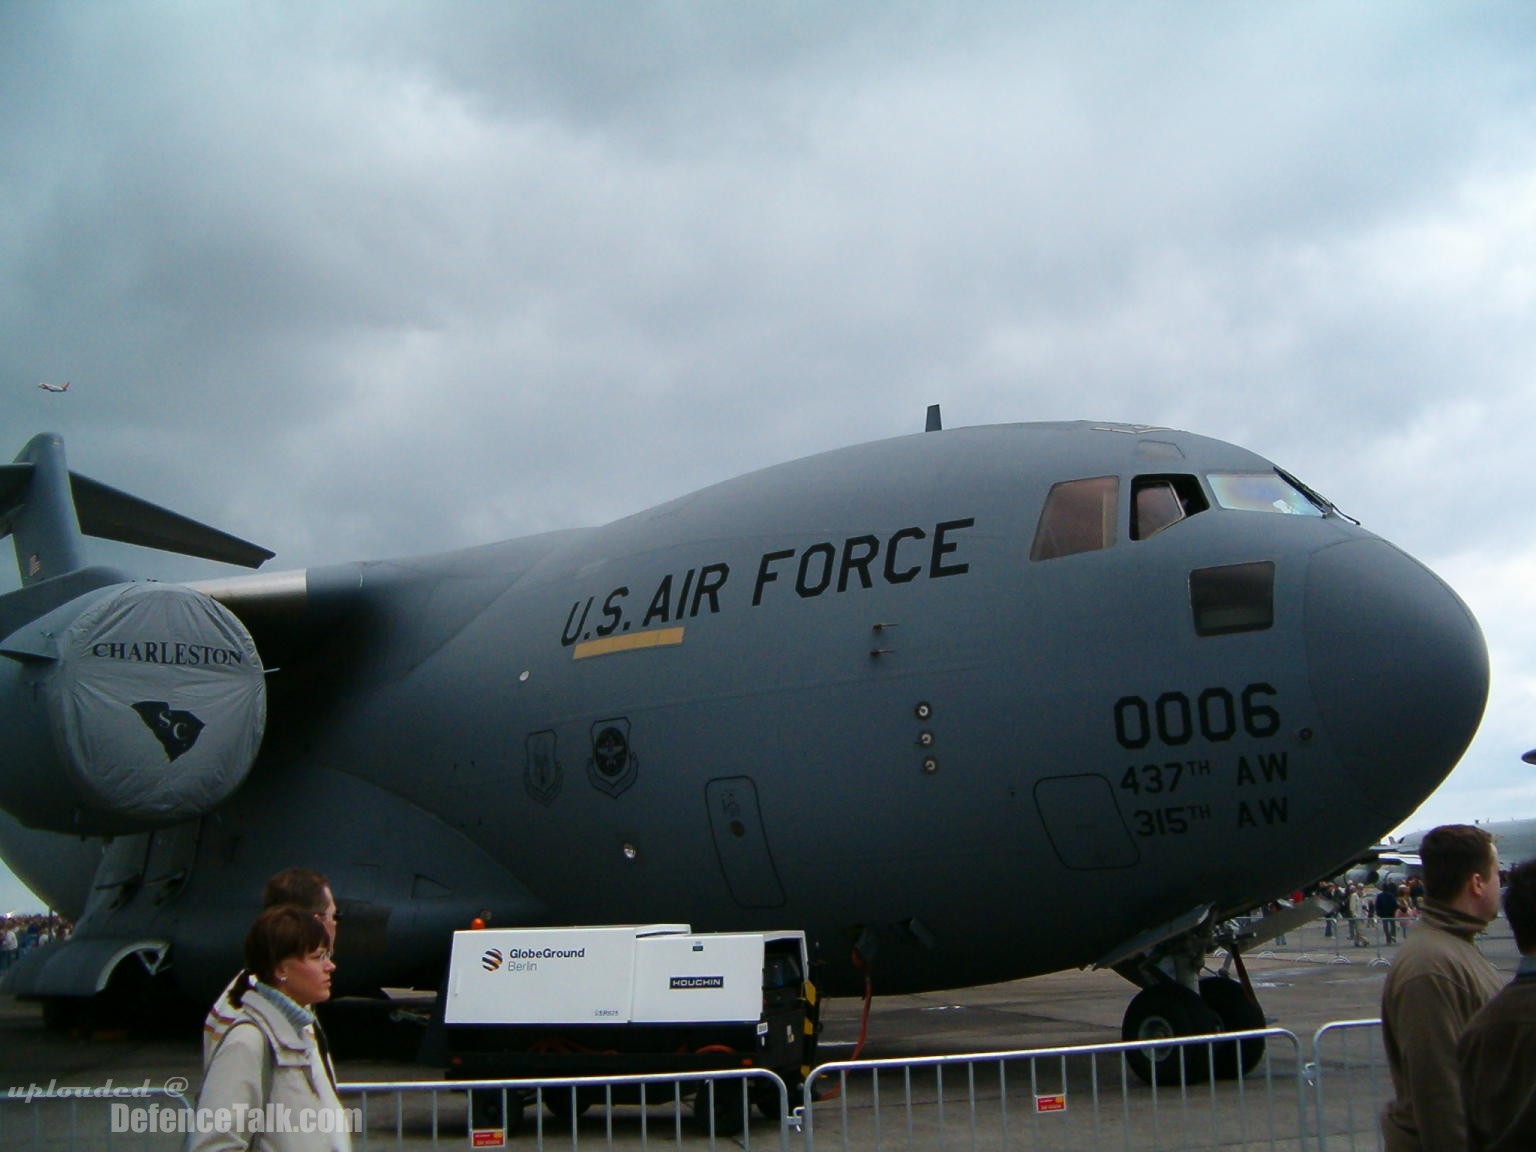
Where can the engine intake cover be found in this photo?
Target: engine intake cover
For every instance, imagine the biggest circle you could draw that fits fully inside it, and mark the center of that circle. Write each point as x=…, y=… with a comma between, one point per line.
x=157, y=703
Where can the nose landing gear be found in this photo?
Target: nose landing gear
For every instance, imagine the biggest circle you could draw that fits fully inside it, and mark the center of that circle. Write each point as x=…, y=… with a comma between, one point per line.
x=1175, y=1001
x=1169, y=1011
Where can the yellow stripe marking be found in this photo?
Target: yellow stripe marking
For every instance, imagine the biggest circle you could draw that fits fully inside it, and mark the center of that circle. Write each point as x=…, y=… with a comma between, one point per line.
x=656, y=638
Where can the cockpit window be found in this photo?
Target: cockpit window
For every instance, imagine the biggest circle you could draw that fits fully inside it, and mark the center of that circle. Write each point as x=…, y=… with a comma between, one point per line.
x=1079, y=516
x=1261, y=492
x=1158, y=502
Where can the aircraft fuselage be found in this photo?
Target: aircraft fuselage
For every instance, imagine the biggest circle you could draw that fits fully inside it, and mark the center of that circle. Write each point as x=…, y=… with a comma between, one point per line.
x=984, y=703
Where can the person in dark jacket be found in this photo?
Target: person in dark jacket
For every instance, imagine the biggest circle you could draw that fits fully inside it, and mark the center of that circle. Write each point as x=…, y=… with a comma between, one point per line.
x=1386, y=911
x=1497, y=1052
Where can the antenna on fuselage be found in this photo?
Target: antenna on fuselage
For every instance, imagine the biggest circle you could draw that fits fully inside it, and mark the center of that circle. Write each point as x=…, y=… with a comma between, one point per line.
x=935, y=422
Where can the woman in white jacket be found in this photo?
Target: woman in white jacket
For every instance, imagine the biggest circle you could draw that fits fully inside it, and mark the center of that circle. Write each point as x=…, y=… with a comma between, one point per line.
x=268, y=1076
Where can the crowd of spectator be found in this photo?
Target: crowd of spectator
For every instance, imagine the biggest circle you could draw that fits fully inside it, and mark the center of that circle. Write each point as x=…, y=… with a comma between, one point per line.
x=20, y=934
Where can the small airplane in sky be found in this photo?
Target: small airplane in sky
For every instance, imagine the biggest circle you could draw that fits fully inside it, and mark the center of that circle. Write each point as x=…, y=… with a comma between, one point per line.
x=64, y=387
x=965, y=706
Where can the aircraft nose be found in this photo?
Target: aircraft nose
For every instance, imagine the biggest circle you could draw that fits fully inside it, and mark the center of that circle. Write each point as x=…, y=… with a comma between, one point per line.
x=1398, y=666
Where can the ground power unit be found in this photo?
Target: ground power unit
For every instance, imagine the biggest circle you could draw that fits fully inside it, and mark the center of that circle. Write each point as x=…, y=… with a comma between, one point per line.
x=528, y=1003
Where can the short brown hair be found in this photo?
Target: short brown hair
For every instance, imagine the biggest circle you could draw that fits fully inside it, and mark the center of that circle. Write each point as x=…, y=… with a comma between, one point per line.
x=1452, y=854
x=279, y=934
x=299, y=886
x=1520, y=905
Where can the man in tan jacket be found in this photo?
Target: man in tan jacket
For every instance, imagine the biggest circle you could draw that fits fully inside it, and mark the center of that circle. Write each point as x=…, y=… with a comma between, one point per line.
x=1438, y=982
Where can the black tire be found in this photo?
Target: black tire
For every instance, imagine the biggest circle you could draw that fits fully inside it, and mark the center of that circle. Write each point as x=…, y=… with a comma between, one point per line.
x=559, y=1103
x=495, y=1108
x=63, y=1013
x=728, y=1102
x=765, y=1094
x=1165, y=1012
x=1238, y=1013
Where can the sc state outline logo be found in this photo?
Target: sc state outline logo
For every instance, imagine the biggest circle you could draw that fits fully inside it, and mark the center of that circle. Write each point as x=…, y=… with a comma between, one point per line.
x=175, y=728
x=491, y=959
x=542, y=773
x=614, y=766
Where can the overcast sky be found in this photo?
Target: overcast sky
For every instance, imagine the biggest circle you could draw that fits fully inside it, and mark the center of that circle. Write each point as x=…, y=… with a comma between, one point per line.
x=361, y=280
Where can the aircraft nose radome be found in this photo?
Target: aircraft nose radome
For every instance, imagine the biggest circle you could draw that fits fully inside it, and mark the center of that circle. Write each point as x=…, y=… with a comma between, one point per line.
x=1398, y=666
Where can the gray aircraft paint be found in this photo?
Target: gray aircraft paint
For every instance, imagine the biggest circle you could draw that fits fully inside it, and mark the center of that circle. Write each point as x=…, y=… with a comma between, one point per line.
x=837, y=695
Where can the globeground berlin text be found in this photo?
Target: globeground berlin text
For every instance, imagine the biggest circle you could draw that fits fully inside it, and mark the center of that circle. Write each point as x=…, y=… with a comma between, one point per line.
x=147, y=1119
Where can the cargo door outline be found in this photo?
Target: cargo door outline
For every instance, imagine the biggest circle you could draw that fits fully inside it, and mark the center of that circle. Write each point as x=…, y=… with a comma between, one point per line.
x=741, y=843
x=1083, y=823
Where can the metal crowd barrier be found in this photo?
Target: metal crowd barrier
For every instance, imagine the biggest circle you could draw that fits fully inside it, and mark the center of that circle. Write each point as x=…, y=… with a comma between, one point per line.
x=1044, y=1099
x=1372, y=941
x=692, y=1109
x=71, y=1117
x=1340, y=940
x=1060, y=1098
x=676, y=1108
x=1350, y=1085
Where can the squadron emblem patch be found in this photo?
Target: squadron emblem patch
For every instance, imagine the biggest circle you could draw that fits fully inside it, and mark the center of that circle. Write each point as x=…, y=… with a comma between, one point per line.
x=542, y=774
x=613, y=766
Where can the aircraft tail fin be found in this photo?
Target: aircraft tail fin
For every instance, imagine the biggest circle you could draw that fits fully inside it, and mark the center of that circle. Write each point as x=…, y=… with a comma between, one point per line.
x=48, y=509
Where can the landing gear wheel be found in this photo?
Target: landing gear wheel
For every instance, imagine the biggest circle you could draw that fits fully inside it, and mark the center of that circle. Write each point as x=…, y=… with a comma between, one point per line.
x=1165, y=1012
x=1238, y=1013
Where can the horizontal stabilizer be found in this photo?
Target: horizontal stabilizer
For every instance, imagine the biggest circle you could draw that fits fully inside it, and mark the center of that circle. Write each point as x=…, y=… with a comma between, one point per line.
x=109, y=514
x=47, y=508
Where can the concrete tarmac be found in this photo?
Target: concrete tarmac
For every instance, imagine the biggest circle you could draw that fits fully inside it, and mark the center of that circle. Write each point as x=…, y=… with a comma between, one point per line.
x=1311, y=981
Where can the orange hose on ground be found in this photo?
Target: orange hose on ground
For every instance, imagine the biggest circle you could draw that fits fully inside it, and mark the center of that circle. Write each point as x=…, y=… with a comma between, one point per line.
x=869, y=992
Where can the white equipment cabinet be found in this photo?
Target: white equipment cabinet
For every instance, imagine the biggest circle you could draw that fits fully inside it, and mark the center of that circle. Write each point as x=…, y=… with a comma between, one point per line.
x=617, y=999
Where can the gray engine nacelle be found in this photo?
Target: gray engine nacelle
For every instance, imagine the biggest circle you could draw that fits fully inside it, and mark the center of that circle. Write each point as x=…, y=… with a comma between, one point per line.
x=131, y=707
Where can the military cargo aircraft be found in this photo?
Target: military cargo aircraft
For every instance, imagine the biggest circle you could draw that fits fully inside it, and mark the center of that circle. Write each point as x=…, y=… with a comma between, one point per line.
x=966, y=706
x=1397, y=858
x=1515, y=841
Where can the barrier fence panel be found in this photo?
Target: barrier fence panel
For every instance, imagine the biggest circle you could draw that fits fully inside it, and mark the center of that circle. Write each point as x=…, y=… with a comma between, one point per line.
x=46, y=1117
x=1041, y=1099
x=1350, y=1084
x=747, y=1108
x=1374, y=942
x=1062, y=1098
x=697, y=1110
